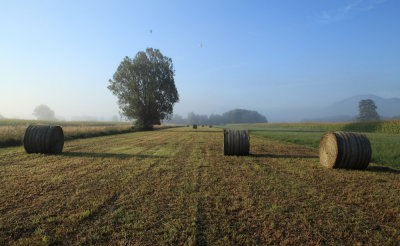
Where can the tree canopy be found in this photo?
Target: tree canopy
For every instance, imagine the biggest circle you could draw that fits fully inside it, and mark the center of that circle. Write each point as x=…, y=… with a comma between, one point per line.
x=145, y=88
x=43, y=112
x=367, y=110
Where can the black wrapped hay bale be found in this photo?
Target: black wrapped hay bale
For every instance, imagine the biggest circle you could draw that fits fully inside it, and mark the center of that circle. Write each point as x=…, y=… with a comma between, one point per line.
x=194, y=126
x=347, y=150
x=44, y=139
x=236, y=142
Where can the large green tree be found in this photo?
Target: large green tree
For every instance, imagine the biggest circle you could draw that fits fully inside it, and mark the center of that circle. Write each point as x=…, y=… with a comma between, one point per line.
x=367, y=110
x=145, y=88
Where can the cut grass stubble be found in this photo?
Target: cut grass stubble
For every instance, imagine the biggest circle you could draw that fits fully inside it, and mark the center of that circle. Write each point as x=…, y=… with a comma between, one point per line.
x=175, y=186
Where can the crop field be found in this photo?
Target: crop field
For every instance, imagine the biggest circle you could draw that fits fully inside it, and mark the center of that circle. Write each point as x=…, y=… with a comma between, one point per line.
x=175, y=186
x=18, y=122
x=387, y=126
x=12, y=131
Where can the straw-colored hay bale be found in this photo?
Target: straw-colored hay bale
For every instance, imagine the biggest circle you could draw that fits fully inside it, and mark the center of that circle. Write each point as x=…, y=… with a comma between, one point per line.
x=44, y=139
x=345, y=150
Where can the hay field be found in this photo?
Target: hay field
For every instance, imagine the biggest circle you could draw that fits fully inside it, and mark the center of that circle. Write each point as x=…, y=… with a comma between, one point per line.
x=174, y=186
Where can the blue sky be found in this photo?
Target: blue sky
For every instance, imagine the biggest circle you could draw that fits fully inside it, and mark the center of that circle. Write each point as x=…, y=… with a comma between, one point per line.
x=268, y=56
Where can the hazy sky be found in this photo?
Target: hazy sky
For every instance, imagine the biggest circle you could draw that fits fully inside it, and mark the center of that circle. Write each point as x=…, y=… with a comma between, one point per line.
x=261, y=55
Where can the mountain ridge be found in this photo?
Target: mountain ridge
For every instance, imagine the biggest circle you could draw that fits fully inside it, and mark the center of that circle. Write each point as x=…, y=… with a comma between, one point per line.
x=386, y=107
x=340, y=111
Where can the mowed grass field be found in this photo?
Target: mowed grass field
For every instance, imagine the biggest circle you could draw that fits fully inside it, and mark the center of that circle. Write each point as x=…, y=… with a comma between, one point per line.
x=175, y=186
x=385, y=146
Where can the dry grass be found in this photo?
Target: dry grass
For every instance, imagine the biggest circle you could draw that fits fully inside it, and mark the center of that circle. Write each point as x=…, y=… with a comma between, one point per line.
x=14, y=135
x=11, y=135
x=175, y=186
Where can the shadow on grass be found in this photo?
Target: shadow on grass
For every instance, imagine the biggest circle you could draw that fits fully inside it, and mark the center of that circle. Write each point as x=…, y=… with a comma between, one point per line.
x=10, y=143
x=380, y=169
x=284, y=156
x=108, y=155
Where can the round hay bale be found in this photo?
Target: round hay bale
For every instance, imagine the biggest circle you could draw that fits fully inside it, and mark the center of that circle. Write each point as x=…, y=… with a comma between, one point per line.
x=236, y=142
x=44, y=139
x=194, y=126
x=347, y=150
x=210, y=126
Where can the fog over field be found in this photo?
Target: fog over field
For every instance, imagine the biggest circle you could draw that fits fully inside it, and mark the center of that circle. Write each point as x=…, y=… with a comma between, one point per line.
x=291, y=61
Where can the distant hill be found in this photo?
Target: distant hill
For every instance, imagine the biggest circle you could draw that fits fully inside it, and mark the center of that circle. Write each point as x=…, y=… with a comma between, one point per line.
x=347, y=109
x=341, y=111
x=387, y=107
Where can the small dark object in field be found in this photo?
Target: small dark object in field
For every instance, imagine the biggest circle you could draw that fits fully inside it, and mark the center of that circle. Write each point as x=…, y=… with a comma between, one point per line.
x=44, y=139
x=187, y=125
x=236, y=142
x=210, y=126
x=194, y=126
x=345, y=150
x=202, y=125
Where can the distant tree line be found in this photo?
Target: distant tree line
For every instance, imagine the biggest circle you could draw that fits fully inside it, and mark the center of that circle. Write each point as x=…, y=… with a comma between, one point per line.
x=231, y=117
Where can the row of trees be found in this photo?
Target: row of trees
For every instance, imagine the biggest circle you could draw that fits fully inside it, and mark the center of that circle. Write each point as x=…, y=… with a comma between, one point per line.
x=230, y=117
x=41, y=112
x=146, y=92
x=44, y=112
x=367, y=112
